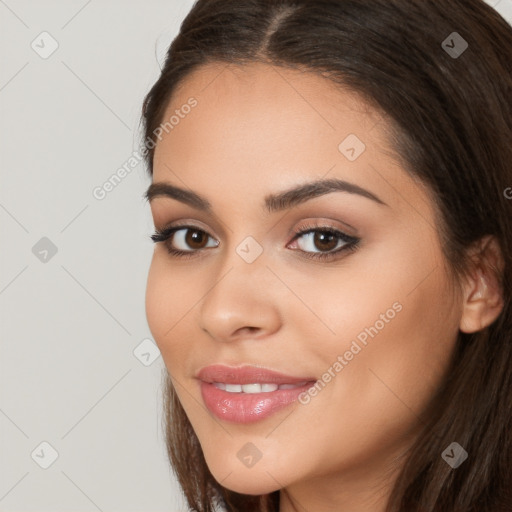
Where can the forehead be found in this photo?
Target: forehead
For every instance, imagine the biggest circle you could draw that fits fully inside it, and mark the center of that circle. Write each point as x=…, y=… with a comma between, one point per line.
x=264, y=92
x=269, y=126
x=263, y=111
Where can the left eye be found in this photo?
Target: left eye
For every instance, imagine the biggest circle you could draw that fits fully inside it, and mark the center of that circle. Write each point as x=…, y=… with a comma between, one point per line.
x=319, y=240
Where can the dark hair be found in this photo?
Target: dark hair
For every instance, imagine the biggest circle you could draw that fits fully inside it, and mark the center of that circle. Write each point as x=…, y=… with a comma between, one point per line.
x=451, y=123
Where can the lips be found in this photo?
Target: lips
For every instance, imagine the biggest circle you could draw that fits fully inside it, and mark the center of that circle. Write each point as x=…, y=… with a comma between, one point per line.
x=247, y=375
x=248, y=393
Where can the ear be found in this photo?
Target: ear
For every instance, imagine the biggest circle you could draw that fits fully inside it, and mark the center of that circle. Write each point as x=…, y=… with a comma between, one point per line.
x=483, y=296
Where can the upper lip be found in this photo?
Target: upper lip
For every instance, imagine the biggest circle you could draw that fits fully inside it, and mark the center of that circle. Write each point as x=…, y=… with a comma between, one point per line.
x=247, y=375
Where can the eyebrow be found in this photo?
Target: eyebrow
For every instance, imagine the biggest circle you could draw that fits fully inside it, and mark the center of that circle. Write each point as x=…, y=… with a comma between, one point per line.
x=273, y=202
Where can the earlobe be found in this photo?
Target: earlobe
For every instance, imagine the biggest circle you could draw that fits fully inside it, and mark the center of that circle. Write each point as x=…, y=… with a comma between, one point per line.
x=483, y=296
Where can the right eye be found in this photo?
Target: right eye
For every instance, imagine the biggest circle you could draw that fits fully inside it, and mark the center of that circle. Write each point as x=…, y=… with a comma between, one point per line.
x=184, y=240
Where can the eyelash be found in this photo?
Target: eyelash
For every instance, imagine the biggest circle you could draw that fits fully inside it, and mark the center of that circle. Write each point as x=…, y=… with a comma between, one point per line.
x=352, y=243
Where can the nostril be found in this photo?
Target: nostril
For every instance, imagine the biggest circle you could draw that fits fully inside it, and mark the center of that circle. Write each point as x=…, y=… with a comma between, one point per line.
x=248, y=328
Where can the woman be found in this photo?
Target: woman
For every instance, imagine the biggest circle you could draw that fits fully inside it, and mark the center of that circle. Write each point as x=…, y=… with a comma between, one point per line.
x=330, y=288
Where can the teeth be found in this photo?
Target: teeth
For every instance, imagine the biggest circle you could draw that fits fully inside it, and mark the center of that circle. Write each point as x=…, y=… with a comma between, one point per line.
x=251, y=388
x=254, y=388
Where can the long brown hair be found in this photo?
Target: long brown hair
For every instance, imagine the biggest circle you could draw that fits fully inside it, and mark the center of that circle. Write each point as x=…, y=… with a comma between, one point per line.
x=451, y=116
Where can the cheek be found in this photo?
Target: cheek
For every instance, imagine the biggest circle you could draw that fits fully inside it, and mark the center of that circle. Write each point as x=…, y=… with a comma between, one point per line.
x=158, y=300
x=375, y=399
x=395, y=323
x=170, y=296
x=404, y=353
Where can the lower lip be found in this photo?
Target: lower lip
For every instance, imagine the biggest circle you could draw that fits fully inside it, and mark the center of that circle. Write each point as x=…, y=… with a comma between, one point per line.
x=248, y=407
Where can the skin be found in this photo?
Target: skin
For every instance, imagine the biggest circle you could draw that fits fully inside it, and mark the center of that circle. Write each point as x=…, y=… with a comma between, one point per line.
x=258, y=130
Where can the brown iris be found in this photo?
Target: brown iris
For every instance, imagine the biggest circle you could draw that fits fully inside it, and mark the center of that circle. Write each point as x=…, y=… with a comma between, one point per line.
x=325, y=240
x=196, y=239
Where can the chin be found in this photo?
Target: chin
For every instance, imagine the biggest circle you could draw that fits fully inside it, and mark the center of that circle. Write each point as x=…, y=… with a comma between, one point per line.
x=238, y=478
x=251, y=485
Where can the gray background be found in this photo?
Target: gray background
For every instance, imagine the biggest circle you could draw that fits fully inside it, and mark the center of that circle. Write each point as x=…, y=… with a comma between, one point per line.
x=78, y=368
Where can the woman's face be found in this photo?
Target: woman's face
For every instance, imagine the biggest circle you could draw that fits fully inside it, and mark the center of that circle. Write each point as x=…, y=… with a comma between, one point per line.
x=373, y=324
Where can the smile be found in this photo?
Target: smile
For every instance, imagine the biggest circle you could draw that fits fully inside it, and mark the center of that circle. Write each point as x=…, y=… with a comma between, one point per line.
x=248, y=394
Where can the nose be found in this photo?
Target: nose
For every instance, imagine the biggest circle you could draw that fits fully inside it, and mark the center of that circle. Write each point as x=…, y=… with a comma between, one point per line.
x=240, y=302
